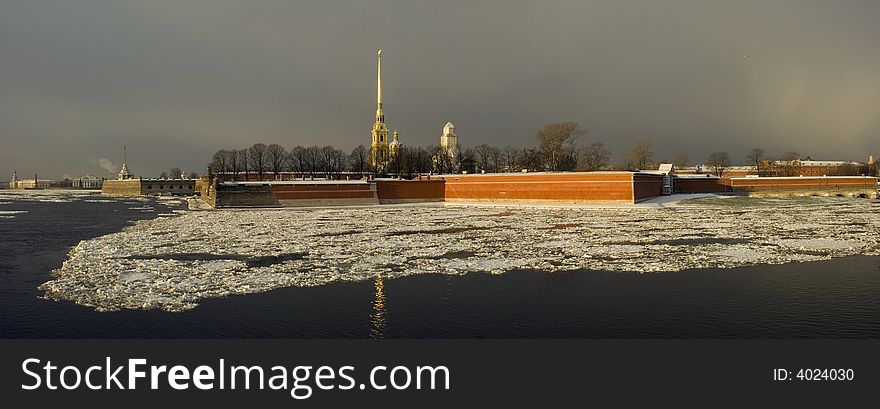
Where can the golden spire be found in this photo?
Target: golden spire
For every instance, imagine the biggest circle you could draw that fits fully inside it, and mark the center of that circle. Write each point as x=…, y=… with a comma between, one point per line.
x=379, y=79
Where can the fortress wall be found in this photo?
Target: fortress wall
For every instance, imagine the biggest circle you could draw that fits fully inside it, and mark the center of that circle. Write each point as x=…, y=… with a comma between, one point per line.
x=646, y=186
x=410, y=191
x=207, y=191
x=244, y=196
x=128, y=187
x=567, y=187
x=325, y=194
x=816, y=183
x=167, y=186
x=596, y=187
x=699, y=185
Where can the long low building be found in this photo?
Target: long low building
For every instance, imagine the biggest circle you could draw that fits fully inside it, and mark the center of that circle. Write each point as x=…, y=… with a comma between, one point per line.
x=828, y=183
x=149, y=187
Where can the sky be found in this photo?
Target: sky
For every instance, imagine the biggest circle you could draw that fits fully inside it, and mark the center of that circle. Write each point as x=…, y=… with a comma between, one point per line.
x=176, y=80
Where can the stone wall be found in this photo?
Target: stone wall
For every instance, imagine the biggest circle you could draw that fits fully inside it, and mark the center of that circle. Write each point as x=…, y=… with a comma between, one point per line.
x=646, y=186
x=607, y=187
x=806, y=182
x=149, y=187
x=699, y=185
x=339, y=193
x=239, y=195
x=129, y=187
x=410, y=191
x=164, y=187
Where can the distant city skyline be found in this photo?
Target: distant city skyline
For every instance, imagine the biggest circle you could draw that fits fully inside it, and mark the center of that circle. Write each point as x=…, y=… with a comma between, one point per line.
x=177, y=80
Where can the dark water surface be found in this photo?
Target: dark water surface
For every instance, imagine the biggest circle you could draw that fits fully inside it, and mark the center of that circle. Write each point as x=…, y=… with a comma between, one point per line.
x=836, y=298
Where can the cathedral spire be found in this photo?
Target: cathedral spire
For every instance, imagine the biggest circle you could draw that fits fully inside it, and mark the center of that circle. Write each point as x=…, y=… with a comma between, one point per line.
x=379, y=155
x=380, y=115
x=379, y=79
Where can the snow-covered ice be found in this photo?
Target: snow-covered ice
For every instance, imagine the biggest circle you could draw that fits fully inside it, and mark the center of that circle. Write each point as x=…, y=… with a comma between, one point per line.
x=173, y=262
x=9, y=214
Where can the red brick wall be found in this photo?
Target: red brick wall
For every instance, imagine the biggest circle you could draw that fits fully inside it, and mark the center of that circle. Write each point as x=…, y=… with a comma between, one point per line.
x=646, y=186
x=577, y=187
x=699, y=185
x=391, y=191
x=843, y=182
x=306, y=191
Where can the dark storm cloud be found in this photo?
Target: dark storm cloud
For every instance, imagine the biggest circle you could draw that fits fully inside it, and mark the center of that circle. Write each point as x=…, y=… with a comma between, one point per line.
x=177, y=80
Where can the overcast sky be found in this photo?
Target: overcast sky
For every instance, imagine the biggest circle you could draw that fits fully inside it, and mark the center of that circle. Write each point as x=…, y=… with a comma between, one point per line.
x=176, y=80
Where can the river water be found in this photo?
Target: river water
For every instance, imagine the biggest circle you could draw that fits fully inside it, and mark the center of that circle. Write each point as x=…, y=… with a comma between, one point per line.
x=819, y=299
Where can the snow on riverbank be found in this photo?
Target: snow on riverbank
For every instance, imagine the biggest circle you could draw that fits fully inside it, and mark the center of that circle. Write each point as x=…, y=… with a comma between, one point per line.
x=171, y=263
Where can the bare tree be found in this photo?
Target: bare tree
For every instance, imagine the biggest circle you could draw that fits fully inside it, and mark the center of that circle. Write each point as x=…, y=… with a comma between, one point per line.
x=468, y=160
x=755, y=157
x=193, y=175
x=276, y=155
x=163, y=175
x=397, y=162
x=219, y=162
x=556, y=140
x=244, y=163
x=234, y=161
x=297, y=160
x=640, y=155
x=312, y=157
x=442, y=161
x=511, y=157
x=680, y=160
x=791, y=162
x=175, y=173
x=497, y=159
x=257, y=158
x=334, y=160
x=530, y=159
x=359, y=160
x=594, y=157
x=484, y=156
x=718, y=162
x=420, y=159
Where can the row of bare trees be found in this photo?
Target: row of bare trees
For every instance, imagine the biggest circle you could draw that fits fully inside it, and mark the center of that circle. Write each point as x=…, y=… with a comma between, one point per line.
x=557, y=149
x=177, y=173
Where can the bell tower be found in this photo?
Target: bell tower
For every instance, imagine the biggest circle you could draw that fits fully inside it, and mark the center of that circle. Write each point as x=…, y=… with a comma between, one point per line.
x=379, y=144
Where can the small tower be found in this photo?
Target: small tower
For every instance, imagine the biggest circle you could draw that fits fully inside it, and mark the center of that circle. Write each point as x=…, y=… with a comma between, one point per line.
x=394, y=146
x=449, y=142
x=124, y=173
x=14, y=183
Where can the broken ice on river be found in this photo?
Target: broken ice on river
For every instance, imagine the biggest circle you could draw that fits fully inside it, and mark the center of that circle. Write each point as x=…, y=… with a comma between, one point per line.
x=171, y=263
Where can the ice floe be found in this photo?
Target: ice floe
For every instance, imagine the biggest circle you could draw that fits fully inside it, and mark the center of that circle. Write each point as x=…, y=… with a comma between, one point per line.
x=172, y=263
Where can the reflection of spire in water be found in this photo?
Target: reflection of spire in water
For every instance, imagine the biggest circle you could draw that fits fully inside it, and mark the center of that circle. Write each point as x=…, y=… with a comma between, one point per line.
x=377, y=318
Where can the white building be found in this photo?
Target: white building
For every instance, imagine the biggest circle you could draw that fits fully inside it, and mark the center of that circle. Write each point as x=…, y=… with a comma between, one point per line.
x=449, y=141
x=87, y=182
x=34, y=183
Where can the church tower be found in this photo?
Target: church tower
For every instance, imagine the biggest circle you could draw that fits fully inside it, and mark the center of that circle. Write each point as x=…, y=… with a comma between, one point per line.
x=448, y=140
x=379, y=155
x=394, y=146
x=449, y=143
